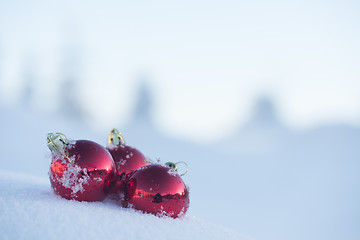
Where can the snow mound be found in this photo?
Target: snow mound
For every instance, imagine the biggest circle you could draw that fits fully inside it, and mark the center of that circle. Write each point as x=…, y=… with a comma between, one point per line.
x=30, y=210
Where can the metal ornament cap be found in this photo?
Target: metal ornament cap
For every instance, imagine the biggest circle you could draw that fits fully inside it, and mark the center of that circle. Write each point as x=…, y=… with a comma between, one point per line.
x=158, y=190
x=85, y=173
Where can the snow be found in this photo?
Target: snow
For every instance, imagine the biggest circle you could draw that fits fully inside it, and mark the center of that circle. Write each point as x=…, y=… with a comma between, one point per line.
x=30, y=210
x=172, y=172
x=71, y=180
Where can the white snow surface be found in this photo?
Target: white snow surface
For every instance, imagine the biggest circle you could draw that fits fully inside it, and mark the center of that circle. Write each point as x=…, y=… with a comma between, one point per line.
x=30, y=210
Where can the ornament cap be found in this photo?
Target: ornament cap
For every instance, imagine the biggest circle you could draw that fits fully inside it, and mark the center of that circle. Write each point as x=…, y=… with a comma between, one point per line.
x=116, y=138
x=57, y=142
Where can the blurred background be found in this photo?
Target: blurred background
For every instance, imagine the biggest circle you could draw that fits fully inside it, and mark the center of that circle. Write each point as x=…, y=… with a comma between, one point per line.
x=261, y=99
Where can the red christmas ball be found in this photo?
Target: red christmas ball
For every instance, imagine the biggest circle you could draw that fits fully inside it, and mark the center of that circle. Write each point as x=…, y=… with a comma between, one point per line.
x=127, y=160
x=158, y=190
x=81, y=170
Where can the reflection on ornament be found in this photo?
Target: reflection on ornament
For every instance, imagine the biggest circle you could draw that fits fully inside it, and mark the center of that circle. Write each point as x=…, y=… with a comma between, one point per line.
x=158, y=190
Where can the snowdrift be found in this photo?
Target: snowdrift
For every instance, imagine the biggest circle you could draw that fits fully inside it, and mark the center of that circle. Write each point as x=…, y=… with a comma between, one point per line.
x=30, y=210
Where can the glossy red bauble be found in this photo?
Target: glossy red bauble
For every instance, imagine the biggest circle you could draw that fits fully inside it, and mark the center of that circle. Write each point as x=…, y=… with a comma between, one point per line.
x=81, y=170
x=158, y=190
x=127, y=160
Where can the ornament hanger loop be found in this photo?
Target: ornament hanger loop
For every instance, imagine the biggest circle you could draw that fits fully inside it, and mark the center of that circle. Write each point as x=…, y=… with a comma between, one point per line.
x=174, y=166
x=57, y=142
x=116, y=138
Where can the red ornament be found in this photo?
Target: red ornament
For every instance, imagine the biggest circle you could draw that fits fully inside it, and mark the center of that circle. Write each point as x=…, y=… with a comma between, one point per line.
x=81, y=170
x=158, y=190
x=127, y=160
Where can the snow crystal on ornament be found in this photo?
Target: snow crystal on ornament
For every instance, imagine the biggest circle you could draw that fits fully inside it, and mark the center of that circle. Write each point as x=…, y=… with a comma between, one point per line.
x=122, y=196
x=143, y=167
x=130, y=205
x=111, y=147
x=121, y=162
x=163, y=213
x=172, y=172
x=71, y=179
x=73, y=158
x=182, y=212
x=99, y=179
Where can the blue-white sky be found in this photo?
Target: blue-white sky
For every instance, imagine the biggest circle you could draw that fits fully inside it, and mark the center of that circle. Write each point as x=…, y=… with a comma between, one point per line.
x=206, y=61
